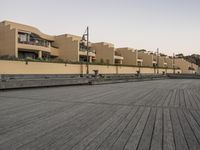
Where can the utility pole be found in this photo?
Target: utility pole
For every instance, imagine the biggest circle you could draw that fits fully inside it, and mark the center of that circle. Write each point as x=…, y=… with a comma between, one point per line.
x=173, y=63
x=87, y=51
x=157, y=60
x=86, y=33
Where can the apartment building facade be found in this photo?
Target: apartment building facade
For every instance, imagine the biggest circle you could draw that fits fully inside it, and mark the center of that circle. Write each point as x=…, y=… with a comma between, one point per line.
x=185, y=66
x=149, y=59
x=23, y=41
x=129, y=55
x=106, y=53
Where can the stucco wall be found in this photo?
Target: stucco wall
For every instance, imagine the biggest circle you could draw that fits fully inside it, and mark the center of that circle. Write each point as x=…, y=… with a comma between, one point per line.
x=21, y=67
x=68, y=48
x=184, y=65
x=7, y=40
x=147, y=58
x=104, y=52
x=169, y=62
x=161, y=61
x=130, y=56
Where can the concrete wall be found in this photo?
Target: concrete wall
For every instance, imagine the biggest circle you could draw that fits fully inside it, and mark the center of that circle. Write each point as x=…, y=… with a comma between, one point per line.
x=129, y=55
x=7, y=40
x=68, y=47
x=21, y=67
x=147, y=58
x=104, y=52
x=184, y=66
x=161, y=61
x=28, y=28
x=169, y=62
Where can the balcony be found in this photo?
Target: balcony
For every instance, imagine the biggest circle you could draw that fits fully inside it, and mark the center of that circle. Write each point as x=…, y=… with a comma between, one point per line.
x=30, y=41
x=83, y=50
x=118, y=56
x=154, y=62
x=34, y=42
x=139, y=60
x=33, y=47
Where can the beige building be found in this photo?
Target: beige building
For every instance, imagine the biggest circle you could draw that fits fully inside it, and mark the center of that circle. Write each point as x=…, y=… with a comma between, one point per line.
x=106, y=53
x=151, y=59
x=169, y=62
x=162, y=62
x=23, y=41
x=185, y=66
x=148, y=58
x=73, y=48
x=130, y=55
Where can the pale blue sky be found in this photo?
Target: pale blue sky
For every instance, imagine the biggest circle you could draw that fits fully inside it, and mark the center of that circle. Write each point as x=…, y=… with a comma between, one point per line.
x=171, y=25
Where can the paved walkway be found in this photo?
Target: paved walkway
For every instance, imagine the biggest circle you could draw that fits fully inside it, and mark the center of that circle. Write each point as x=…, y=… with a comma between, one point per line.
x=154, y=115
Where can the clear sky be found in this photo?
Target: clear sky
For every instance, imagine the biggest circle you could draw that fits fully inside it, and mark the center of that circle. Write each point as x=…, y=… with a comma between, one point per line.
x=171, y=25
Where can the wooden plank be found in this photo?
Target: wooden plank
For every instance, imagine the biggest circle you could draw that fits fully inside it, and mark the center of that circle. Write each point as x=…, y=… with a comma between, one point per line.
x=123, y=139
x=187, y=98
x=82, y=143
x=177, y=98
x=84, y=129
x=60, y=118
x=168, y=99
x=19, y=120
x=168, y=137
x=63, y=133
x=182, y=98
x=145, y=141
x=197, y=98
x=142, y=99
x=108, y=142
x=163, y=99
x=158, y=97
x=193, y=123
x=134, y=140
x=193, y=100
x=151, y=98
x=158, y=131
x=95, y=143
x=188, y=132
x=180, y=141
x=172, y=99
x=33, y=131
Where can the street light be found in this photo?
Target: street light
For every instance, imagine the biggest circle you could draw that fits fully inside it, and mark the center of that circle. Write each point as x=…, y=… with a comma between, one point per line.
x=157, y=60
x=174, y=63
x=86, y=34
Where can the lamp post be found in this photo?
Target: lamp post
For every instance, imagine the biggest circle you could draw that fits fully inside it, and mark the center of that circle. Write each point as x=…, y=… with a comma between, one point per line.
x=157, y=60
x=174, y=63
x=86, y=33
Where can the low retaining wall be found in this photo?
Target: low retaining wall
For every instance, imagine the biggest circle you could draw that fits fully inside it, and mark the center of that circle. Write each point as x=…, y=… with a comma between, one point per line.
x=22, y=67
x=8, y=83
x=183, y=76
x=14, y=84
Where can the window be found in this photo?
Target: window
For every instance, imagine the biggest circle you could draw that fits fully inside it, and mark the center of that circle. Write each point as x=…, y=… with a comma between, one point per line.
x=22, y=37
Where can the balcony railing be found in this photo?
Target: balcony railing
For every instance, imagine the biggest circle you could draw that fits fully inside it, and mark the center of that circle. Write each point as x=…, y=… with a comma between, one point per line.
x=117, y=53
x=35, y=42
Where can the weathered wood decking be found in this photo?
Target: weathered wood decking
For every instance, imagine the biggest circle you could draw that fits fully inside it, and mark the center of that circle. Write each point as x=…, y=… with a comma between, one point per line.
x=153, y=115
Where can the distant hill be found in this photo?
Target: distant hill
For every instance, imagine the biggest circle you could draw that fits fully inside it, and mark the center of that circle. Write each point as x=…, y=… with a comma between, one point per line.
x=194, y=58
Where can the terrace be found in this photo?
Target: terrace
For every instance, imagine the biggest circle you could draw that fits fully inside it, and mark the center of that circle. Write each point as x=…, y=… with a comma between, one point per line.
x=156, y=115
x=32, y=39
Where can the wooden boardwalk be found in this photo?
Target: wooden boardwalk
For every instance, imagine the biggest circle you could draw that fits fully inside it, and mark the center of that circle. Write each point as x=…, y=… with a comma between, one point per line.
x=152, y=115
